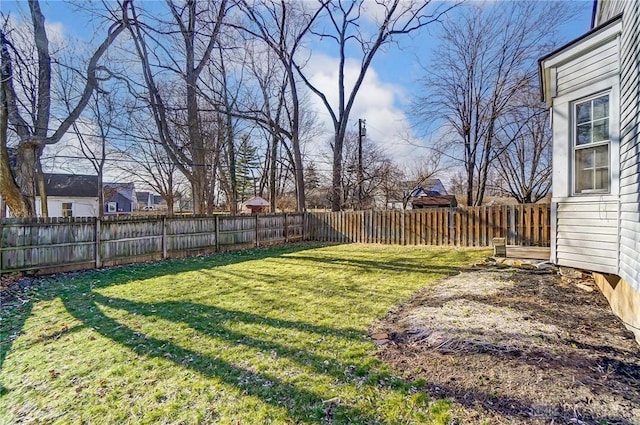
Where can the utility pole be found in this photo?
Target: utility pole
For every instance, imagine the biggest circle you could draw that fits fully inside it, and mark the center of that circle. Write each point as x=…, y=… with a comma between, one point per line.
x=362, y=132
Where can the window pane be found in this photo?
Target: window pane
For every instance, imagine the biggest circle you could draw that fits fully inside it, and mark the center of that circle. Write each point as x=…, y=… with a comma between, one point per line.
x=583, y=112
x=584, y=134
x=584, y=159
x=601, y=130
x=601, y=107
x=602, y=179
x=584, y=180
x=602, y=156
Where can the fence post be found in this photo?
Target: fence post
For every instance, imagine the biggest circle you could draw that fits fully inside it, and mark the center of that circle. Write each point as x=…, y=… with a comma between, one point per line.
x=513, y=231
x=402, y=228
x=98, y=244
x=257, y=232
x=217, y=230
x=305, y=222
x=452, y=227
x=286, y=229
x=164, y=237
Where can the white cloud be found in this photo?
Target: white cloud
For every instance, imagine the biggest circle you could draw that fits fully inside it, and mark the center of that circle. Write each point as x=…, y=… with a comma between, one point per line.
x=55, y=33
x=378, y=102
x=67, y=156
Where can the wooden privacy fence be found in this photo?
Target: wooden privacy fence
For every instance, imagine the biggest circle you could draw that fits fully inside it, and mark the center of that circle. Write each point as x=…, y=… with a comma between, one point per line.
x=56, y=244
x=527, y=225
x=59, y=244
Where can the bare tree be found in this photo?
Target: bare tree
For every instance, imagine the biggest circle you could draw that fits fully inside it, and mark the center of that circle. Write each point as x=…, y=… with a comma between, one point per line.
x=376, y=168
x=525, y=145
x=194, y=31
x=30, y=116
x=94, y=147
x=149, y=163
x=282, y=26
x=347, y=28
x=487, y=56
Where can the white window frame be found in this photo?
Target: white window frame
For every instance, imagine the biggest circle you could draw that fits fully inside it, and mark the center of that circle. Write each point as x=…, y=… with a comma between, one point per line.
x=63, y=209
x=575, y=147
x=112, y=207
x=563, y=142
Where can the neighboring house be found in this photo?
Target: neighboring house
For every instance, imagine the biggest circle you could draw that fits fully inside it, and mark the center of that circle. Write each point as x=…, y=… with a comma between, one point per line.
x=431, y=194
x=145, y=200
x=433, y=201
x=119, y=198
x=70, y=195
x=593, y=87
x=159, y=203
x=407, y=191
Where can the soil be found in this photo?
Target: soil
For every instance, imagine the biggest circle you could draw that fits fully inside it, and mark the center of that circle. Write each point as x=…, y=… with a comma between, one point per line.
x=517, y=347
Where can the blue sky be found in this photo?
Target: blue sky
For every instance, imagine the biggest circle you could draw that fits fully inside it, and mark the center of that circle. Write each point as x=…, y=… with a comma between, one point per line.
x=385, y=96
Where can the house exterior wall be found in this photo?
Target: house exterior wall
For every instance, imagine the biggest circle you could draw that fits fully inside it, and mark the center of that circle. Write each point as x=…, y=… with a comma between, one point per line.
x=594, y=65
x=608, y=9
x=629, y=267
x=123, y=204
x=587, y=235
x=80, y=206
x=585, y=227
x=601, y=233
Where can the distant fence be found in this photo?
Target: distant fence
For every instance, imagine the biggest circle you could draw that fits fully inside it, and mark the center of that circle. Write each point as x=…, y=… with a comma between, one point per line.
x=48, y=245
x=527, y=225
x=61, y=244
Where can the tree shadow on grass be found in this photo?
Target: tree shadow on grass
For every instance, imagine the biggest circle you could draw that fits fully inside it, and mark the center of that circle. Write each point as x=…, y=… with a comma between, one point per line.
x=399, y=266
x=78, y=295
x=302, y=405
x=15, y=312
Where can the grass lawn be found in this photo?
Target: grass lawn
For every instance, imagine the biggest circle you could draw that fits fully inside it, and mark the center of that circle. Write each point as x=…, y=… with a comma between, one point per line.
x=256, y=337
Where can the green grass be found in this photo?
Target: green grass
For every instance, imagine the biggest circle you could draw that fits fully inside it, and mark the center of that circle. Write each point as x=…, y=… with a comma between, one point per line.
x=257, y=337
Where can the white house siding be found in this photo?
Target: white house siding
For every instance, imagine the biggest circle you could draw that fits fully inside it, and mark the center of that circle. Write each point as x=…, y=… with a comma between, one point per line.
x=610, y=8
x=585, y=228
x=80, y=206
x=599, y=63
x=629, y=267
x=587, y=235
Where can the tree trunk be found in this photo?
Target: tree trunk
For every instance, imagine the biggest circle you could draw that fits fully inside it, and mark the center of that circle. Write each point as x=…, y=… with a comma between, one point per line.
x=9, y=190
x=272, y=172
x=100, y=195
x=470, y=194
x=44, y=205
x=25, y=173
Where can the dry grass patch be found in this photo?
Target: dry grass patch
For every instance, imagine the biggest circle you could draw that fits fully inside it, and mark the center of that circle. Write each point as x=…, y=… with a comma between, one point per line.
x=513, y=347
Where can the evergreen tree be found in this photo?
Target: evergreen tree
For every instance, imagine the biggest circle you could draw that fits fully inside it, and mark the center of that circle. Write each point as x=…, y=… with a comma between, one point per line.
x=247, y=169
x=311, y=177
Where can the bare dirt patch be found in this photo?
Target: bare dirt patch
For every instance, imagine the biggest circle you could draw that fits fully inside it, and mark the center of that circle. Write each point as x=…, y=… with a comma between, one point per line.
x=513, y=346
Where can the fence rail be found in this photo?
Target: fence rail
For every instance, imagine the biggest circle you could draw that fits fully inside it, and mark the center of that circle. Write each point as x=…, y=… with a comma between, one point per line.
x=60, y=244
x=525, y=225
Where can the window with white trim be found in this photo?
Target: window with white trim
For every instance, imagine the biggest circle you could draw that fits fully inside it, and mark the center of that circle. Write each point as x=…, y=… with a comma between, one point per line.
x=67, y=209
x=592, y=172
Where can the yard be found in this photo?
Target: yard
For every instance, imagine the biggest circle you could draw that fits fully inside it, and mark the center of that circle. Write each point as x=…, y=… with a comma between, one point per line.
x=275, y=335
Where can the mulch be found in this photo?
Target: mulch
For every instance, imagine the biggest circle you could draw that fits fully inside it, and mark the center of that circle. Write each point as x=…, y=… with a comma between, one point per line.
x=517, y=347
